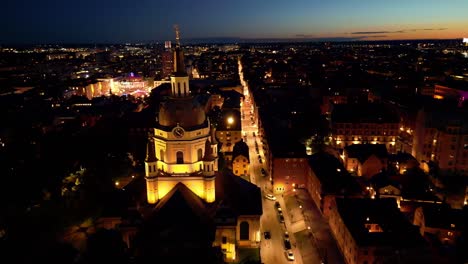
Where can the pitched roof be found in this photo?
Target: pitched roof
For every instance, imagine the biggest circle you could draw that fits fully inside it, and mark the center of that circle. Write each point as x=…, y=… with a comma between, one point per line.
x=182, y=201
x=240, y=148
x=363, y=151
x=332, y=175
x=242, y=196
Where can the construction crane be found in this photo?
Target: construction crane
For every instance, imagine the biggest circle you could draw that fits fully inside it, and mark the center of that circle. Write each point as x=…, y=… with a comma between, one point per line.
x=177, y=33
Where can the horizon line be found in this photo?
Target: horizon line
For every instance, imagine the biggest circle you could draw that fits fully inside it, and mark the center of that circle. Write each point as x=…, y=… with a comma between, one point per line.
x=245, y=40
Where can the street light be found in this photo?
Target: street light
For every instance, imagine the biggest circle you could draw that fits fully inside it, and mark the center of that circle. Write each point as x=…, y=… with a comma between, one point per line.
x=230, y=120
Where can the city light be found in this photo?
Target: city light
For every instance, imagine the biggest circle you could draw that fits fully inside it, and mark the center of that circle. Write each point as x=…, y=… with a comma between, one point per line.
x=230, y=120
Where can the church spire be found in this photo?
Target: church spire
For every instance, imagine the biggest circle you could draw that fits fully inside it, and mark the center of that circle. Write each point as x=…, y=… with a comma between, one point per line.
x=179, y=78
x=179, y=66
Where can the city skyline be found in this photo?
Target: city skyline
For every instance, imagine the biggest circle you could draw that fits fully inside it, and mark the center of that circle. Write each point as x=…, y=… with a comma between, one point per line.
x=50, y=21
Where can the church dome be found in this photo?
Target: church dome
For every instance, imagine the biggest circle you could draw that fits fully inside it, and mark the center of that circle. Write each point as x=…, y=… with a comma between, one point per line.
x=186, y=111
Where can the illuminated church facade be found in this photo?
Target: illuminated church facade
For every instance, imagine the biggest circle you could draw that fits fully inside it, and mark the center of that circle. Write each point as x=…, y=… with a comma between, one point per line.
x=183, y=147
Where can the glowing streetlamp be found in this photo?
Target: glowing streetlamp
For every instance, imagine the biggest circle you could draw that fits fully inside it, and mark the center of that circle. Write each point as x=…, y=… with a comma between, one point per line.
x=230, y=120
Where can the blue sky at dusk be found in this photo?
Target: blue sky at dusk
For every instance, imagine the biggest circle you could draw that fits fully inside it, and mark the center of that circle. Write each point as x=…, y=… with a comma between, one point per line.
x=107, y=21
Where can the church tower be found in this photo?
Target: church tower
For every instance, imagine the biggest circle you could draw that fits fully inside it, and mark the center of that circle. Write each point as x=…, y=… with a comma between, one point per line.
x=182, y=142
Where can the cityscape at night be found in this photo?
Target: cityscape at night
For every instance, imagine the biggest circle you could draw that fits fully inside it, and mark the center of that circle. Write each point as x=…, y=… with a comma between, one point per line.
x=246, y=132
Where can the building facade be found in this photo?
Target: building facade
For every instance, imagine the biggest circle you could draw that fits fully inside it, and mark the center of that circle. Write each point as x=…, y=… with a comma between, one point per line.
x=367, y=123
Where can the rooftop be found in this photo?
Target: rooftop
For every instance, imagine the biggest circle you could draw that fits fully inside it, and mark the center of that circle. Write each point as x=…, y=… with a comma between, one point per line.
x=394, y=230
x=363, y=151
x=332, y=175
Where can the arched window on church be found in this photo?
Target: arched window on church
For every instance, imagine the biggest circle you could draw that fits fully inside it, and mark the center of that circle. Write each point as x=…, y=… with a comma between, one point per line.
x=161, y=155
x=244, y=230
x=200, y=154
x=178, y=88
x=185, y=88
x=180, y=157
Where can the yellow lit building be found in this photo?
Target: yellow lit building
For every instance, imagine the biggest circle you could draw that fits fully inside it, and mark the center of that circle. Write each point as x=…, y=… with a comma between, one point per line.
x=240, y=160
x=182, y=147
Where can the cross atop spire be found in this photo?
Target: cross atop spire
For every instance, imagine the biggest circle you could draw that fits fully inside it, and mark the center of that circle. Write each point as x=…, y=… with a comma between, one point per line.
x=177, y=33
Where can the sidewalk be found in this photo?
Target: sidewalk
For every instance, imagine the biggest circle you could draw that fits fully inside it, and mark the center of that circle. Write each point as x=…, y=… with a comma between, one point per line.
x=314, y=236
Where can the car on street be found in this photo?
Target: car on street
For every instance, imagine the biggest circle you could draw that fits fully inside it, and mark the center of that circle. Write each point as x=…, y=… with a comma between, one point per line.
x=267, y=234
x=286, y=235
x=287, y=244
x=290, y=255
x=263, y=171
x=270, y=197
x=281, y=218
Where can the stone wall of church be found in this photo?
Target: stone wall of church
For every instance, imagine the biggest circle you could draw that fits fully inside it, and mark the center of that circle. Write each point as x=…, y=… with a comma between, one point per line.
x=225, y=237
x=253, y=239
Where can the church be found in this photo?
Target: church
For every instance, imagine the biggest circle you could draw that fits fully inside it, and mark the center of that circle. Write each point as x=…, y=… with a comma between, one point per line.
x=191, y=210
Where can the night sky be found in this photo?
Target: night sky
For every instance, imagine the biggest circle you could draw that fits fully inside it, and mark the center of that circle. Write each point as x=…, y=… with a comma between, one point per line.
x=112, y=21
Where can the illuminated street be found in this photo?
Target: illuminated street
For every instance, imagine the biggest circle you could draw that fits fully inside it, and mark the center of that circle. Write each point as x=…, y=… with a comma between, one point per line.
x=311, y=239
x=272, y=250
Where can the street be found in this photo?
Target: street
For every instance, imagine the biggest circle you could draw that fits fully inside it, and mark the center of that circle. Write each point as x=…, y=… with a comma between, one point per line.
x=272, y=250
x=310, y=236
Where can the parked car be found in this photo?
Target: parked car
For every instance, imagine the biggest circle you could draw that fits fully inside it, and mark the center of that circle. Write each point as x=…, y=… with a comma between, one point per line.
x=290, y=255
x=270, y=197
x=281, y=218
x=287, y=244
x=267, y=234
x=286, y=235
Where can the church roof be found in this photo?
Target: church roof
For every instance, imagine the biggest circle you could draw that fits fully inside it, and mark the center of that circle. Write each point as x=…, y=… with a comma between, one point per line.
x=243, y=197
x=185, y=111
x=182, y=201
x=178, y=222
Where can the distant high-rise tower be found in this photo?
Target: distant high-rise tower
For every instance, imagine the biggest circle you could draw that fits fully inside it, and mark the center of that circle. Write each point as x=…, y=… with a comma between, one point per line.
x=167, y=60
